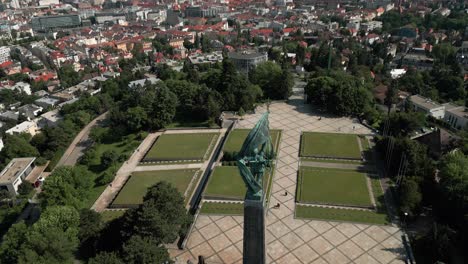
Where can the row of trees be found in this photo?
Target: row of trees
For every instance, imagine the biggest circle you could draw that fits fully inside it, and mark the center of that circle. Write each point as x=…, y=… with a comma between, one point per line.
x=343, y=94
x=425, y=183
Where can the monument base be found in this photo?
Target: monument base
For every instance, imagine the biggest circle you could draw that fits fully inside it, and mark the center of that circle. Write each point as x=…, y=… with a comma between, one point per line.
x=254, y=232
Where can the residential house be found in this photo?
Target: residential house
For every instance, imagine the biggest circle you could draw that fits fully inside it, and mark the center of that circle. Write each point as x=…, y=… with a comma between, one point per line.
x=47, y=102
x=49, y=119
x=15, y=173
x=29, y=127
x=30, y=111
x=143, y=82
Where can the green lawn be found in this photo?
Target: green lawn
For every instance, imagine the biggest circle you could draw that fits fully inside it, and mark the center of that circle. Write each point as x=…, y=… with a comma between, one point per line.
x=192, y=146
x=332, y=186
x=135, y=189
x=339, y=161
x=226, y=182
x=237, y=137
x=312, y=212
x=222, y=208
x=378, y=194
x=110, y=215
x=330, y=145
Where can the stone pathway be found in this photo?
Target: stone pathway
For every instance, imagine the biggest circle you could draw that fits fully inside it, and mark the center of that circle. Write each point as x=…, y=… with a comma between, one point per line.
x=290, y=240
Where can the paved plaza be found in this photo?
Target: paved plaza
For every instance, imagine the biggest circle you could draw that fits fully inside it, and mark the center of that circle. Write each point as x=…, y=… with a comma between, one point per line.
x=290, y=240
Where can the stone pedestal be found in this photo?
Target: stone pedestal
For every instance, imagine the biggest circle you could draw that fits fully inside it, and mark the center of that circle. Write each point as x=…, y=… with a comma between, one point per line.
x=254, y=232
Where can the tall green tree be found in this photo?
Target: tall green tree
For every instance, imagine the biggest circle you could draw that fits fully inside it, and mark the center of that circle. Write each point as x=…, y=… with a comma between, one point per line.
x=163, y=107
x=144, y=250
x=69, y=186
x=161, y=215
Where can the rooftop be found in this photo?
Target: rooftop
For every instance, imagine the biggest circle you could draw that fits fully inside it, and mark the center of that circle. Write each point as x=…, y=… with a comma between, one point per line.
x=14, y=168
x=460, y=111
x=245, y=55
x=424, y=102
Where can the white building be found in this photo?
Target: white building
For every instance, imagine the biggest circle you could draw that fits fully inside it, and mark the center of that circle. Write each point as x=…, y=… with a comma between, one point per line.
x=143, y=82
x=427, y=106
x=4, y=54
x=456, y=116
x=15, y=173
x=29, y=127
x=48, y=2
x=23, y=87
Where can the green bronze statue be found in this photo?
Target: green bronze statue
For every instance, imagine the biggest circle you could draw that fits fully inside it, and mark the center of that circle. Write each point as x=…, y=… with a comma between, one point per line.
x=254, y=157
x=253, y=160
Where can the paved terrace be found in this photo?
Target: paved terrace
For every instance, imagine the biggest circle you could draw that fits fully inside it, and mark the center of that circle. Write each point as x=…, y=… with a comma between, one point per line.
x=289, y=240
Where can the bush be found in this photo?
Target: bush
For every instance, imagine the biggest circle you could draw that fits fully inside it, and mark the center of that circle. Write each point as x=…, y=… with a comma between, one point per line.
x=107, y=177
x=25, y=188
x=88, y=156
x=40, y=161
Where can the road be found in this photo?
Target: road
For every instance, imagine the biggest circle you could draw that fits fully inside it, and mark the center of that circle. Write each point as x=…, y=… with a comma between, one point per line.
x=79, y=144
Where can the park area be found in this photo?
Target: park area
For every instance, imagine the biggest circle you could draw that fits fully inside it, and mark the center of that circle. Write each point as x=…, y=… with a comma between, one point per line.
x=182, y=147
x=135, y=188
x=226, y=183
x=332, y=187
x=330, y=145
x=237, y=137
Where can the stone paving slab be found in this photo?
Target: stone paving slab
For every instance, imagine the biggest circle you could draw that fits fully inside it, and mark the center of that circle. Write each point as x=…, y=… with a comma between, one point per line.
x=290, y=240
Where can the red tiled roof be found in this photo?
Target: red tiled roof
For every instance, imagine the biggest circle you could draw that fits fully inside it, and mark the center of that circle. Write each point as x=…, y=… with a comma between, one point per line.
x=6, y=64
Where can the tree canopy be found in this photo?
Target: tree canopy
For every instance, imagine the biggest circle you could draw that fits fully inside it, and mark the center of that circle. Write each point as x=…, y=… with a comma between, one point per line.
x=67, y=186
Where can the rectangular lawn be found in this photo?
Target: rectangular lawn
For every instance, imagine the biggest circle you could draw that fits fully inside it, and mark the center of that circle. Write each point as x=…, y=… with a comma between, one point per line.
x=226, y=182
x=135, y=189
x=237, y=137
x=332, y=186
x=348, y=215
x=171, y=147
x=330, y=145
x=222, y=208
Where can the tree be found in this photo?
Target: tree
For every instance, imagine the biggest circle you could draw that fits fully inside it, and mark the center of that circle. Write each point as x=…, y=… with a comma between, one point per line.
x=163, y=107
x=67, y=186
x=106, y=258
x=410, y=196
x=109, y=158
x=160, y=216
x=139, y=250
x=451, y=87
x=17, y=146
x=275, y=82
x=405, y=123
x=89, y=228
x=454, y=184
x=25, y=188
x=340, y=93
x=52, y=239
x=80, y=118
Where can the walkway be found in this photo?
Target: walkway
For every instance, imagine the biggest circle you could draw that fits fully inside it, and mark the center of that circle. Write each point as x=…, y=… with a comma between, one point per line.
x=288, y=240
x=79, y=144
x=123, y=173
